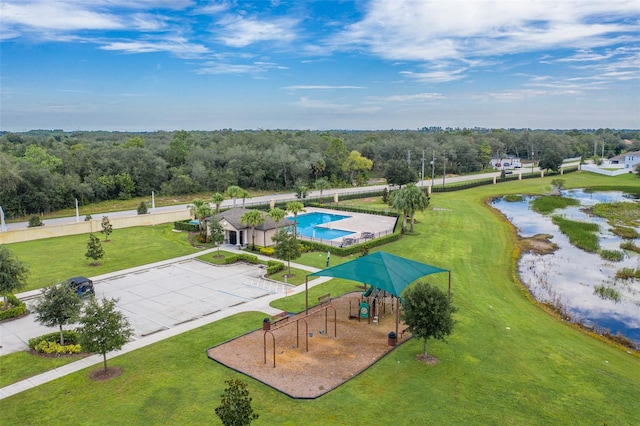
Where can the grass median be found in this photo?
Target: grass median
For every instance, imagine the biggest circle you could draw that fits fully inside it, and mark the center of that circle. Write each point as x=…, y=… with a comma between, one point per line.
x=507, y=362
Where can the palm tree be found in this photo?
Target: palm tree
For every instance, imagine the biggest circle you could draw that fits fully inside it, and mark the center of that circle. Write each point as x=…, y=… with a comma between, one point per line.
x=217, y=199
x=277, y=214
x=322, y=184
x=200, y=209
x=416, y=199
x=234, y=192
x=295, y=207
x=253, y=218
x=400, y=203
x=244, y=194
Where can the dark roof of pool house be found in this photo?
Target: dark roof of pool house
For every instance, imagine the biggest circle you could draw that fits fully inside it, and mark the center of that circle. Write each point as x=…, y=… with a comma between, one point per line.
x=233, y=217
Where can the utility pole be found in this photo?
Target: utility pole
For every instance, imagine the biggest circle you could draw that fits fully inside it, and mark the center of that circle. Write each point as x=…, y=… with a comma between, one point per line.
x=422, y=173
x=433, y=167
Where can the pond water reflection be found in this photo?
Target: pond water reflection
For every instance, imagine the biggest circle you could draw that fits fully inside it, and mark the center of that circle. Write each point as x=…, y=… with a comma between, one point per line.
x=567, y=278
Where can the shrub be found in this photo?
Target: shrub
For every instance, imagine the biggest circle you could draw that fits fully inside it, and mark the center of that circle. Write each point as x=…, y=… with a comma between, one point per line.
x=70, y=337
x=203, y=239
x=184, y=225
x=249, y=258
x=274, y=266
x=54, y=348
x=16, y=308
x=142, y=208
x=35, y=221
x=267, y=251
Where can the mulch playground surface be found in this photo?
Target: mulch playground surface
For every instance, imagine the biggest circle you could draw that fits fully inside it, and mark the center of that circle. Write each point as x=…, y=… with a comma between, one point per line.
x=330, y=360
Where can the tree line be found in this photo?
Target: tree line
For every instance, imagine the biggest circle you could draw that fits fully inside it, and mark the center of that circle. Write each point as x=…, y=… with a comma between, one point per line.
x=43, y=171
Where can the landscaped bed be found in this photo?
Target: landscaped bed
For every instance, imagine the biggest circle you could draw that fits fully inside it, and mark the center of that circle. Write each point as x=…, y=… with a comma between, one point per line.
x=329, y=362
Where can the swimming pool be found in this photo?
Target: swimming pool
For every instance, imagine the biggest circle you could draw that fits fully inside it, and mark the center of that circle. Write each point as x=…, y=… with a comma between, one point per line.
x=308, y=225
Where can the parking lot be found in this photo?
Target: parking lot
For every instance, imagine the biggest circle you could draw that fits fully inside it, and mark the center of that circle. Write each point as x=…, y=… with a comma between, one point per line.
x=159, y=298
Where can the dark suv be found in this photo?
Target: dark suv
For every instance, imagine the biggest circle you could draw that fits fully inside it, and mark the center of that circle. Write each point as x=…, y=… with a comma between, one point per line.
x=81, y=285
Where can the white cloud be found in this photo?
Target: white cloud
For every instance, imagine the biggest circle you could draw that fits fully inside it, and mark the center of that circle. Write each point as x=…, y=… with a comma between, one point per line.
x=435, y=76
x=212, y=67
x=417, y=97
x=431, y=30
x=239, y=31
x=321, y=87
x=176, y=45
x=56, y=15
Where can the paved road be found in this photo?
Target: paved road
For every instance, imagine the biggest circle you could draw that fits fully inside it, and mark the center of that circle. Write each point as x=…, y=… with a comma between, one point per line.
x=259, y=200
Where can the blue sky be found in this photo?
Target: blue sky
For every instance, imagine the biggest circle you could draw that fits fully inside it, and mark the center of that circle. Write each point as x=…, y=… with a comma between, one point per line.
x=144, y=65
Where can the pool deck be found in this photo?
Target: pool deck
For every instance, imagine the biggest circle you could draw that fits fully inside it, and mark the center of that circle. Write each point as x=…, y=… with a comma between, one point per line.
x=358, y=223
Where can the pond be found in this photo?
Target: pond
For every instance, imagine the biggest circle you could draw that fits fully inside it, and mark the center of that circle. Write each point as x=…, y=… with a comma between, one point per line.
x=569, y=277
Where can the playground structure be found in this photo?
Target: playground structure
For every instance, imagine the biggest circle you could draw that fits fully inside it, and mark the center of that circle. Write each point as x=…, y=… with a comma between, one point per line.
x=371, y=305
x=329, y=361
x=287, y=320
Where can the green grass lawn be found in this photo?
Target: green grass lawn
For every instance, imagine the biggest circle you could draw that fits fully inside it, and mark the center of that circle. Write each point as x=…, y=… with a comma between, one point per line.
x=507, y=362
x=53, y=260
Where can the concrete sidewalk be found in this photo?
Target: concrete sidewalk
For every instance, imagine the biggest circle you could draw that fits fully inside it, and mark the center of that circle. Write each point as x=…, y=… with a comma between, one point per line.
x=261, y=304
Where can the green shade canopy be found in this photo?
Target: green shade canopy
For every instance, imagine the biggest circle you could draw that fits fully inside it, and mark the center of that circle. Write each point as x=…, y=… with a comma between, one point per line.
x=383, y=270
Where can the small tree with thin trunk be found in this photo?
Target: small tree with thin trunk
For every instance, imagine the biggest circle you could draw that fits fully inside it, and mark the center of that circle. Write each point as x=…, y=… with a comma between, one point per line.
x=103, y=328
x=57, y=306
x=428, y=312
x=94, y=250
x=13, y=274
x=107, y=228
x=216, y=233
x=235, y=405
x=287, y=247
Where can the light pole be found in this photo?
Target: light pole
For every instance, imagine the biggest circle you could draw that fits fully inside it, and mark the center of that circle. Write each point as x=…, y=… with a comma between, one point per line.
x=433, y=168
x=444, y=170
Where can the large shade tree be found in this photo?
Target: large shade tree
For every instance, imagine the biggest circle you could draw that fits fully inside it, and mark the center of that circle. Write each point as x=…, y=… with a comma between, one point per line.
x=428, y=312
x=58, y=306
x=287, y=247
x=13, y=274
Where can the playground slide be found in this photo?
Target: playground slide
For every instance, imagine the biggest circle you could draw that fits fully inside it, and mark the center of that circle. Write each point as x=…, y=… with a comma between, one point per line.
x=368, y=292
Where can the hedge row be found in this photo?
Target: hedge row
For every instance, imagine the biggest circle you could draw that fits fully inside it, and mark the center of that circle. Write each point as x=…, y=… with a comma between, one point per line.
x=356, y=209
x=356, y=248
x=249, y=258
x=16, y=309
x=184, y=225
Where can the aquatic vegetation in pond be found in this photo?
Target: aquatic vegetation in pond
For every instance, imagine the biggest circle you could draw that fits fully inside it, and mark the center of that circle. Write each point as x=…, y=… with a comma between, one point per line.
x=606, y=293
x=625, y=232
x=628, y=245
x=627, y=273
x=612, y=255
x=547, y=204
x=513, y=198
x=620, y=214
x=566, y=279
x=581, y=234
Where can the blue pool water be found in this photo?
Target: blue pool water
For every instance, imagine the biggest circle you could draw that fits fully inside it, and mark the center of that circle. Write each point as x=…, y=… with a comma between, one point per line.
x=308, y=226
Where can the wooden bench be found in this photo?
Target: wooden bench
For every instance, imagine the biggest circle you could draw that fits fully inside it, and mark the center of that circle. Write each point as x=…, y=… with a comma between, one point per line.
x=281, y=317
x=325, y=299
